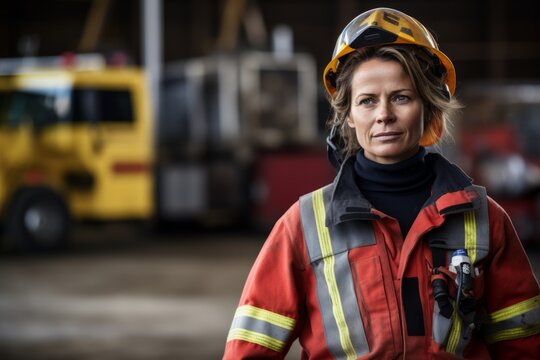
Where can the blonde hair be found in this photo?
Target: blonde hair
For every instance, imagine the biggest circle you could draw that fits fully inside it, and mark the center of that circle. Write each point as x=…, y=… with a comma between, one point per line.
x=427, y=76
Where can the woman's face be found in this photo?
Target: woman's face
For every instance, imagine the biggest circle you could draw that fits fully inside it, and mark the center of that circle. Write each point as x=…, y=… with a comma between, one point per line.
x=386, y=112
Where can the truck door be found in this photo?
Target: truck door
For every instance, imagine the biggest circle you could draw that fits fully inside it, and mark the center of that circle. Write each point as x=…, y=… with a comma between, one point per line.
x=113, y=122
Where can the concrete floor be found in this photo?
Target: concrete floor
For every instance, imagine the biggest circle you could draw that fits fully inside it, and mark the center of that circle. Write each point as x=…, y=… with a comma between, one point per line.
x=124, y=297
x=116, y=294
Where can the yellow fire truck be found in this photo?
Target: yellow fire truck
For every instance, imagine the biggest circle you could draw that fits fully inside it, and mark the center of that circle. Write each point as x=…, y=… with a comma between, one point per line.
x=236, y=137
x=74, y=143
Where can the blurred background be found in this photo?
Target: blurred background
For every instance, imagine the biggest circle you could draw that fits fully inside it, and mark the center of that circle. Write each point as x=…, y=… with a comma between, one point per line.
x=147, y=147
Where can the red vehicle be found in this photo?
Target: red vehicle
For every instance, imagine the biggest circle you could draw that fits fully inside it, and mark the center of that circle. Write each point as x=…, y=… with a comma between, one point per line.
x=500, y=148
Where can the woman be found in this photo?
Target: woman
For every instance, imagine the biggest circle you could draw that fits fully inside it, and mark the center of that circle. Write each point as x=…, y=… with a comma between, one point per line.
x=402, y=256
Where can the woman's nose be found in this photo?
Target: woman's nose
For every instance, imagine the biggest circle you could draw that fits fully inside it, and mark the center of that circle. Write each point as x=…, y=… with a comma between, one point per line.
x=385, y=113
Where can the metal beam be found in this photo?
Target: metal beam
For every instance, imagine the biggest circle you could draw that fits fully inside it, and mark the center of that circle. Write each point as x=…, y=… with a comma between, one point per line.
x=152, y=39
x=94, y=25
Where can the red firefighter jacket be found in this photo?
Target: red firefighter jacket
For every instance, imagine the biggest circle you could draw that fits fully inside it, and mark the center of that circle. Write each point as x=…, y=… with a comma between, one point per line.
x=337, y=274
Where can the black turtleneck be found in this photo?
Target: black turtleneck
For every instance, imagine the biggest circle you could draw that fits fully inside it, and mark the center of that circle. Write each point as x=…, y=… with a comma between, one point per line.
x=398, y=190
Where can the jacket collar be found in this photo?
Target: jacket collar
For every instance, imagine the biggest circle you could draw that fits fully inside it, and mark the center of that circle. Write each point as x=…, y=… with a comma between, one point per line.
x=452, y=192
x=347, y=202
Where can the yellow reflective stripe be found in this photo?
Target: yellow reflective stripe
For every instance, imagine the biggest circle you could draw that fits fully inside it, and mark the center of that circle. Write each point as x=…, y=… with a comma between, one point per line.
x=470, y=234
x=469, y=222
x=330, y=276
x=514, y=310
x=256, y=338
x=453, y=339
x=514, y=333
x=265, y=315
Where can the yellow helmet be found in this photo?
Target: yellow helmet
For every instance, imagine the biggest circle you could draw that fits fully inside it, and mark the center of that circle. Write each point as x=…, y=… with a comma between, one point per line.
x=384, y=26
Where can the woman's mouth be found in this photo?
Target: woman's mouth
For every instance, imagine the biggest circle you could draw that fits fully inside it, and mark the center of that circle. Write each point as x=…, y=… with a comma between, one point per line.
x=387, y=135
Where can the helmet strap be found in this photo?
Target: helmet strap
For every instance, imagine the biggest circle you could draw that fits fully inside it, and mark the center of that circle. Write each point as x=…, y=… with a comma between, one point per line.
x=332, y=149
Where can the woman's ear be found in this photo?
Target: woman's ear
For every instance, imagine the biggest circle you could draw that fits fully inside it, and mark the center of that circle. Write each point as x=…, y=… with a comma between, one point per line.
x=350, y=122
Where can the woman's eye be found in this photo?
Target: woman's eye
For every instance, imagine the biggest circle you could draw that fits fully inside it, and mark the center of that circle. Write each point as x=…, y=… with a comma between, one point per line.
x=401, y=98
x=366, y=101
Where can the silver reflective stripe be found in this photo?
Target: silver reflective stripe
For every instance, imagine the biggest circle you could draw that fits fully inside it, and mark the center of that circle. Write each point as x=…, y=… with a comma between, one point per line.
x=527, y=320
x=262, y=327
x=516, y=321
x=345, y=236
x=328, y=252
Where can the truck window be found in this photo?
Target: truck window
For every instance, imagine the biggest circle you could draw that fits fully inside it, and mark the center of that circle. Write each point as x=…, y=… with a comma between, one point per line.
x=104, y=106
x=41, y=107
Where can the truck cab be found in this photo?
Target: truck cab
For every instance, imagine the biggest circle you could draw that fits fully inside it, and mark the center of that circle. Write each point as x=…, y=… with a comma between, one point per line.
x=75, y=144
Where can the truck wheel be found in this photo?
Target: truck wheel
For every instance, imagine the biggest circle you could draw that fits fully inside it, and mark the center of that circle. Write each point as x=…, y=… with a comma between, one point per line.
x=37, y=219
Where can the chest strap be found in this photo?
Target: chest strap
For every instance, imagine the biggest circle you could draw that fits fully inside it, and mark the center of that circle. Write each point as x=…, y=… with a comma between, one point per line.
x=464, y=230
x=467, y=230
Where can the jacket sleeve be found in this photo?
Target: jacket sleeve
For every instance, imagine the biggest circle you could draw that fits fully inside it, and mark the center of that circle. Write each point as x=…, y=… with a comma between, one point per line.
x=512, y=295
x=267, y=319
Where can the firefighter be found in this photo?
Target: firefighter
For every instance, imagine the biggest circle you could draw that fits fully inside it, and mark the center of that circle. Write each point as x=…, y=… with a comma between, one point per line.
x=401, y=256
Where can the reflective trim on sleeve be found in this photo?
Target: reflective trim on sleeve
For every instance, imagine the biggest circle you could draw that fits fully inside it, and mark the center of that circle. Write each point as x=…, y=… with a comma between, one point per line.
x=256, y=338
x=515, y=310
x=343, y=326
x=515, y=333
x=262, y=327
x=265, y=315
x=513, y=322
